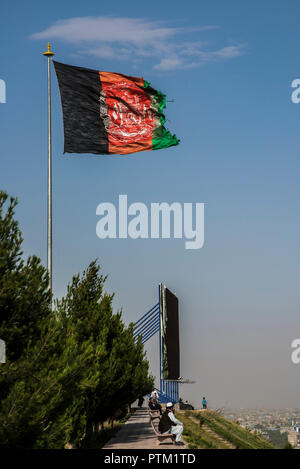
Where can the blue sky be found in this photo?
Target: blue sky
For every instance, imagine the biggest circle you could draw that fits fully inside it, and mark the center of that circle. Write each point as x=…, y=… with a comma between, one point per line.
x=228, y=66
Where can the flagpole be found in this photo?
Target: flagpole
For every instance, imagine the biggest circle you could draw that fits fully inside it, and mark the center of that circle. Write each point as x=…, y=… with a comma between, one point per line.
x=49, y=55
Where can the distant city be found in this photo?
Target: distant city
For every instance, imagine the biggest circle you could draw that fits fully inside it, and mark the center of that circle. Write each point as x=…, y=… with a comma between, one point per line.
x=279, y=426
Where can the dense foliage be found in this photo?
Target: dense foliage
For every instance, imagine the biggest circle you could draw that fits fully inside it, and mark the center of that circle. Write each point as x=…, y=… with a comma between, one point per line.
x=68, y=368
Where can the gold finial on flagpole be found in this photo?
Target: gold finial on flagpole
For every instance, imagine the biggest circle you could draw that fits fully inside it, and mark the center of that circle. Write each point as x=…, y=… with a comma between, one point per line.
x=48, y=53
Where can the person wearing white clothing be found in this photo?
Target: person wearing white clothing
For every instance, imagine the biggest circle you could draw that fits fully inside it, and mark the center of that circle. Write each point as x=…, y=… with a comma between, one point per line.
x=170, y=424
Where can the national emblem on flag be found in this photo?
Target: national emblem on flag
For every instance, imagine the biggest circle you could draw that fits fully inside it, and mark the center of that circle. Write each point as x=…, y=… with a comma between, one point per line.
x=106, y=112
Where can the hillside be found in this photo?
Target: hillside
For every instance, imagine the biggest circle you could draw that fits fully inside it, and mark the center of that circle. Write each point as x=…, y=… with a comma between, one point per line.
x=209, y=430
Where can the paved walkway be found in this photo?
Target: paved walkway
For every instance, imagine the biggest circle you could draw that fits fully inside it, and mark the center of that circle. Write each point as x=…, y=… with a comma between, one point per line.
x=137, y=433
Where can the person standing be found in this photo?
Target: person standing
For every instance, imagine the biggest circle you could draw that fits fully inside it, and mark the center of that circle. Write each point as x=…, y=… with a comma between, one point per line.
x=141, y=401
x=170, y=424
x=204, y=403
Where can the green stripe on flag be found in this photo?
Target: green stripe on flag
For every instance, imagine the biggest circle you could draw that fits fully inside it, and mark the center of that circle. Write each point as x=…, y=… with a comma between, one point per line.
x=162, y=138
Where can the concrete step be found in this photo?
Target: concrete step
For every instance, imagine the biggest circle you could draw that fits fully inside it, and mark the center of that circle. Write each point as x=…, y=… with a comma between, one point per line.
x=213, y=434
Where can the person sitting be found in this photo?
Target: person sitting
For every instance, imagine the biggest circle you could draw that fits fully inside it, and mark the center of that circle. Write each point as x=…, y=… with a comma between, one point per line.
x=153, y=405
x=154, y=394
x=170, y=424
x=185, y=406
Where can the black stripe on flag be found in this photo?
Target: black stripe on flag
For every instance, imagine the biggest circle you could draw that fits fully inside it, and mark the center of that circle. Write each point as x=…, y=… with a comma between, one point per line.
x=84, y=128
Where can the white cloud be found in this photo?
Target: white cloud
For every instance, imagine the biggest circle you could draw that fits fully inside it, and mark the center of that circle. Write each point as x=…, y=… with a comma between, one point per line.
x=169, y=64
x=231, y=51
x=197, y=58
x=108, y=29
x=136, y=39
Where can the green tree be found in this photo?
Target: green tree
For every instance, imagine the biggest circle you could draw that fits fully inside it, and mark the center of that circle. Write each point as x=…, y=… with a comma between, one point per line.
x=117, y=371
x=25, y=298
x=67, y=369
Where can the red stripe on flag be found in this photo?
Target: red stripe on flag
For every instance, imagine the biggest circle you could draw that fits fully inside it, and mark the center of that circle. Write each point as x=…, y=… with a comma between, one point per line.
x=130, y=120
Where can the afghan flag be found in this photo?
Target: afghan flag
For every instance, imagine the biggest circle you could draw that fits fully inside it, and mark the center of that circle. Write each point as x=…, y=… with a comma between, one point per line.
x=106, y=112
